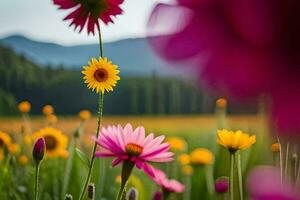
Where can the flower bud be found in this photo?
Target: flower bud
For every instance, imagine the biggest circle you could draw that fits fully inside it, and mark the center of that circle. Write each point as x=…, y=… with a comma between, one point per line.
x=91, y=191
x=222, y=185
x=275, y=147
x=132, y=194
x=39, y=149
x=68, y=197
x=157, y=195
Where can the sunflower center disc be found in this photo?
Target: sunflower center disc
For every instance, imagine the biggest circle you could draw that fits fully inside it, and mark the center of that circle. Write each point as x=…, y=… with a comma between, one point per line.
x=133, y=149
x=1, y=143
x=51, y=142
x=101, y=75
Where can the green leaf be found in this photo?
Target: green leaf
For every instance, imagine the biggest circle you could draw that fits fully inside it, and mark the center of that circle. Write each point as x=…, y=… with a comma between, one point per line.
x=69, y=167
x=83, y=157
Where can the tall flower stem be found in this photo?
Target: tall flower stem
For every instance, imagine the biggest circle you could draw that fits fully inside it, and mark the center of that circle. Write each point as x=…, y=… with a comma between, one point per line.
x=231, y=180
x=100, y=111
x=280, y=160
x=99, y=123
x=209, y=180
x=286, y=161
x=298, y=175
x=240, y=176
x=126, y=172
x=36, y=185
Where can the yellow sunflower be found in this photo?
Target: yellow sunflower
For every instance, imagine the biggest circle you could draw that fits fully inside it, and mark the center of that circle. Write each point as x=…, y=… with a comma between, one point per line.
x=55, y=140
x=5, y=140
x=101, y=75
x=234, y=141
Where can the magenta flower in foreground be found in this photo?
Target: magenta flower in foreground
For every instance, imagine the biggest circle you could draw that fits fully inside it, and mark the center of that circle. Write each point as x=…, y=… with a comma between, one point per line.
x=264, y=183
x=168, y=185
x=90, y=11
x=126, y=144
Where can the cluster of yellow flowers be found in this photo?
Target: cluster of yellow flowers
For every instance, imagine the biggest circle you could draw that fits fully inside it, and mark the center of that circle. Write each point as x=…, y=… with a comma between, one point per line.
x=13, y=148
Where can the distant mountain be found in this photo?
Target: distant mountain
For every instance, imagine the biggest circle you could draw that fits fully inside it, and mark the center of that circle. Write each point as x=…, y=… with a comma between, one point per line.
x=134, y=56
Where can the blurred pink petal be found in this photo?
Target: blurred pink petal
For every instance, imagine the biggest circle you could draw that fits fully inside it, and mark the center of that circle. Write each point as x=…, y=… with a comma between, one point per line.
x=264, y=183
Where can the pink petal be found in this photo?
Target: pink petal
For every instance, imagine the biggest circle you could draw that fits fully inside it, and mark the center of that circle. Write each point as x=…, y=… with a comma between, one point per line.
x=148, y=169
x=163, y=157
x=163, y=147
x=116, y=161
x=65, y=4
x=154, y=143
x=103, y=154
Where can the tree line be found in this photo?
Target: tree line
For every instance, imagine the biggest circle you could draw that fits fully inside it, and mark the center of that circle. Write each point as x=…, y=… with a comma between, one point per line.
x=21, y=79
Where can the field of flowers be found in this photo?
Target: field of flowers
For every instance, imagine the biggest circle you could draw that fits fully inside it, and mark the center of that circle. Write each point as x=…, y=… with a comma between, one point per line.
x=198, y=160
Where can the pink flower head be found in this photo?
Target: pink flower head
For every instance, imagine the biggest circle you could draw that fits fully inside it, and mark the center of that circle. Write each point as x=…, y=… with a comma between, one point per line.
x=264, y=183
x=126, y=144
x=239, y=49
x=169, y=185
x=89, y=11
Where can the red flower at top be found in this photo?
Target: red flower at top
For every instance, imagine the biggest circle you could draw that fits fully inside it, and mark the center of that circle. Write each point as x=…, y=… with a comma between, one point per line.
x=89, y=11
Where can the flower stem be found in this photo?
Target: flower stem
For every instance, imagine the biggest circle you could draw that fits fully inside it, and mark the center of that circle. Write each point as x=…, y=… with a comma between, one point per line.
x=126, y=172
x=231, y=193
x=100, y=111
x=166, y=194
x=298, y=175
x=286, y=161
x=187, y=193
x=209, y=180
x=280, y=160
x=240, y=177
x=36, y=186
x=100, y=41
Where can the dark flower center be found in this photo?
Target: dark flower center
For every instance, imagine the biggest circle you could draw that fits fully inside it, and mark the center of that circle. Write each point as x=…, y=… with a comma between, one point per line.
x=133, y=149
x=101, y=75
x=51, y=142
x=1, y=143
x=95, y=7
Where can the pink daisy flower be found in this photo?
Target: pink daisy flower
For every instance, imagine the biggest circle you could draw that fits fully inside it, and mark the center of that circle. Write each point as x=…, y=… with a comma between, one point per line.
x=168, y=185
x=89, y=11
x=126, y=144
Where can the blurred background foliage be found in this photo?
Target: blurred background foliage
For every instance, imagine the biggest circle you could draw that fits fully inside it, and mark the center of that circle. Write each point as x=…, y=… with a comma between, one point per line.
x=21, y=79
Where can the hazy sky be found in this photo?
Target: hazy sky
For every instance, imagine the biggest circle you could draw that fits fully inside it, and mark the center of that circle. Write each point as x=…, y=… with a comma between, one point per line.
x=41, y=20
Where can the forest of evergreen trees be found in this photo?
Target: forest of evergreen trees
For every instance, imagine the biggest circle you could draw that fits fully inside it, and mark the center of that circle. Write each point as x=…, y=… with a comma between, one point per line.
x=21, y=80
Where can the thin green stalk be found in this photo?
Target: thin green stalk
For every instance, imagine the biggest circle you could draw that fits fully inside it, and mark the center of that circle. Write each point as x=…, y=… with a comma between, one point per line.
x=231, y=180
x=298, y=174
x=166, y=194
x=295, y=168
x=280, y=160
x=126, y=172
x=36, y=185
x=240, y=176
x=87, y=180
x=187, y=183
x=209, y=180
x=100, y=41
x=286, y=161
x=100, y=111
